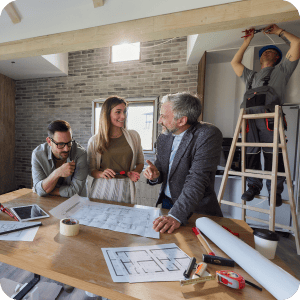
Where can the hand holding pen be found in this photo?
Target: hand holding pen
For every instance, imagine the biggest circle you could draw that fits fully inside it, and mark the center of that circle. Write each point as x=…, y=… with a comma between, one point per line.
x=2, y=208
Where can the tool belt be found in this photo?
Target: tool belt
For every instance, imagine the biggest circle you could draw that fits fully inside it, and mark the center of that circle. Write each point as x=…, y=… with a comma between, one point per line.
x=260, y=96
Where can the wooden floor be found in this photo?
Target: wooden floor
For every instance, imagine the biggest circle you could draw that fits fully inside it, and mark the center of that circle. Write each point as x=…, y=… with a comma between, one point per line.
x=286, y=250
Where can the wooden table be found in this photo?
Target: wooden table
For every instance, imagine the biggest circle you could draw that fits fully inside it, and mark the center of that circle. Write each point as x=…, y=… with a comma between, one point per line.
x=79, y=262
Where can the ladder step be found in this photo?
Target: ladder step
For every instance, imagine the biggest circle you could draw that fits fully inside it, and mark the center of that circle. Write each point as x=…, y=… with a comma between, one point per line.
x=264, y=172
x=256, y=174
x=259, y=116
x=248, y=174
x=267, y=222
x=261, y=210
x=270, y=145
x=266, y=198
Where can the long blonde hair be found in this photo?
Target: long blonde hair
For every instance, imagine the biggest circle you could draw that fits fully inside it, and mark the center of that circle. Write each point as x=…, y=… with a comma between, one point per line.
x=103, y=135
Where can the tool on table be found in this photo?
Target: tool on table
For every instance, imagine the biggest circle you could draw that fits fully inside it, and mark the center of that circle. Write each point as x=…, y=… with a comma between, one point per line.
x=218, y=260
x=188, y=271
x=234, y=280
x=121, y=173
x=231, y=279
x=197, y=280
x=248, y=32
x=203, y=241
x=200, y=270
x=211, y=257
x=20, y=228
x=2, y=208
x=226, y=277
x=234, y=233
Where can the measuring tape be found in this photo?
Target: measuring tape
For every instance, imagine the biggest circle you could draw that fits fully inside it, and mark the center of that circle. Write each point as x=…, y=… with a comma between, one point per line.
x=229, y=278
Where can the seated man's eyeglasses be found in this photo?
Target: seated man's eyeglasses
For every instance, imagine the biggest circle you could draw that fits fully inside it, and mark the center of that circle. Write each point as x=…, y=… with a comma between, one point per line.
x=62, y=145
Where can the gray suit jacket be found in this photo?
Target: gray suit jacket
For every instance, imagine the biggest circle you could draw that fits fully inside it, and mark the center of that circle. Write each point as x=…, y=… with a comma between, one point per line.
x=192, y=175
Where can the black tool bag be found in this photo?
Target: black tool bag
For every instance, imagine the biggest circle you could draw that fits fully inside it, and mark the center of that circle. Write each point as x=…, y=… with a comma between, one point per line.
x=260, y=96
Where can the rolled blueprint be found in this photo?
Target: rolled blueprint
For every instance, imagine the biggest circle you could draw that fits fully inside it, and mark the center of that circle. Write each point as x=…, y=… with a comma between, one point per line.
x=278, y=282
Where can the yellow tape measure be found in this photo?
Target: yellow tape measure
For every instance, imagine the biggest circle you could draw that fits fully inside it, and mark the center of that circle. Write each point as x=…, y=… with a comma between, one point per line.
x=196, y=280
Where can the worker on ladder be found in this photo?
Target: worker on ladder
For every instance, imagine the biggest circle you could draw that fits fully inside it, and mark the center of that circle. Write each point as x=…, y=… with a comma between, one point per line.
x=264, y=90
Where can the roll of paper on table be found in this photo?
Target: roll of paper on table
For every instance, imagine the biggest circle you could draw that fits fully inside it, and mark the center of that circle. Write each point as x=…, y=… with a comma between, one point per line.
x=217, y=260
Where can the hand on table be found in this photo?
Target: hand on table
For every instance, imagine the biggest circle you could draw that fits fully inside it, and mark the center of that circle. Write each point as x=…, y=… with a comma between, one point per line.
x=133, y=176
x=151, y=171
x=165, y=223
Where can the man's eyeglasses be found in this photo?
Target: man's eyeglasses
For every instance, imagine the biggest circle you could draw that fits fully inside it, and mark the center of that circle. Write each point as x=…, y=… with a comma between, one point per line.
x=62, y=145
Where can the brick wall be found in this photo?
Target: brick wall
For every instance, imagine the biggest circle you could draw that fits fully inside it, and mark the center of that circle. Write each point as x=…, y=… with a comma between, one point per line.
x=161, y=70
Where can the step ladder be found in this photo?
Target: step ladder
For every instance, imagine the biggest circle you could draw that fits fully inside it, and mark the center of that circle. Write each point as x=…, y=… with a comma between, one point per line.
x=272, y=175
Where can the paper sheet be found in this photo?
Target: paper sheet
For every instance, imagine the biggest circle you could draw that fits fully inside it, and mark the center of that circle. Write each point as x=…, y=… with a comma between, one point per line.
x=107, y=216
x=23, y=235
x=146, y=263
x=69, y=207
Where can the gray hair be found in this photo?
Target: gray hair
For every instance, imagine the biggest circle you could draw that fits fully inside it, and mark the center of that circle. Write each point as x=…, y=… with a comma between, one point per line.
x=184, y=105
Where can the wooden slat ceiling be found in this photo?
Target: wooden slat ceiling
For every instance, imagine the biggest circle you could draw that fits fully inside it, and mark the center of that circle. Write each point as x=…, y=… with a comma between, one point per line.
x=209, y=19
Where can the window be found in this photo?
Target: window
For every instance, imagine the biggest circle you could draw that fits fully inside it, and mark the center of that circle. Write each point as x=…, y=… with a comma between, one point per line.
x=125, y=52
x=141, y=116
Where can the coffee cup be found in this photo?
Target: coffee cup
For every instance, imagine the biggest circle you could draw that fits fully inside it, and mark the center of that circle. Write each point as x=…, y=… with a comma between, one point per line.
x=266, y=242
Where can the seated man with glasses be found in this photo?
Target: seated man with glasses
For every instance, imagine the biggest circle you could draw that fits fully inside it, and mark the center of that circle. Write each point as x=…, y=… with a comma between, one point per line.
x=59, y=166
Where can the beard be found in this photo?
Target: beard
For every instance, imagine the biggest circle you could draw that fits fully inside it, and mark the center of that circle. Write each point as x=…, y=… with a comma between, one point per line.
x=167, y=131
x=66, y=152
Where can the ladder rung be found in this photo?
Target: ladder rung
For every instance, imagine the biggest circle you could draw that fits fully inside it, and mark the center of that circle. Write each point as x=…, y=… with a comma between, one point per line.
x=270, y=145
x=261, y=210
x=267, y=222
x=259, y=116
x=264, y=172
x=248, y=174
x=266, y=198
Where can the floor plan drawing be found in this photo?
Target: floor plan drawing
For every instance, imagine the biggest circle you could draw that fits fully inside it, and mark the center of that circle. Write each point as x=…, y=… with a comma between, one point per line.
x=146, y=263
x=108, y=216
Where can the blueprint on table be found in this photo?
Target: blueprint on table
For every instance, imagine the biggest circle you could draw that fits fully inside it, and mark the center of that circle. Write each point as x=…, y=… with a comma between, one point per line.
x=108, y=216
x=146, y=263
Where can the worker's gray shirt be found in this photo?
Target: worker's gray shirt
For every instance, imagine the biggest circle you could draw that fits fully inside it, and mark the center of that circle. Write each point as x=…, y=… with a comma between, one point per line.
x=279, y=76
x=43, y=165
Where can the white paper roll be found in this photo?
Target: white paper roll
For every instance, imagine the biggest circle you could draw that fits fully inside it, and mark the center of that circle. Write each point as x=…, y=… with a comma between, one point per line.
x=278, y=282
x=69, y=227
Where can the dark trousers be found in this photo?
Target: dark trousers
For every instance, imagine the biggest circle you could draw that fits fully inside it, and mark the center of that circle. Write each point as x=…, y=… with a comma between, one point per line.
x=253, y=162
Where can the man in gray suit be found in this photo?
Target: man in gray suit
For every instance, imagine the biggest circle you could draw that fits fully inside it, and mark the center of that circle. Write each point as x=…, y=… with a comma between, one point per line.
x=188, y=153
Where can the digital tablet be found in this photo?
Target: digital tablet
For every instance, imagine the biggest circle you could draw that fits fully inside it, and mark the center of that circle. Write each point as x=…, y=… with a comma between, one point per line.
x=29, y=212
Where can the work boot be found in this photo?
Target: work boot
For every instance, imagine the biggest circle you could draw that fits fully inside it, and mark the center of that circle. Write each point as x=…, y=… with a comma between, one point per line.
x=278, y=199
x=251, y=193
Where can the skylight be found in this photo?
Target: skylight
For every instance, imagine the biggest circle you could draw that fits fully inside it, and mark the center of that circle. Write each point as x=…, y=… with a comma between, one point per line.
x=125, y=52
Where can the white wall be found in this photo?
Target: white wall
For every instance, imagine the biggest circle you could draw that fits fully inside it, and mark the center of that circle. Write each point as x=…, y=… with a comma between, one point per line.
x=220, y=100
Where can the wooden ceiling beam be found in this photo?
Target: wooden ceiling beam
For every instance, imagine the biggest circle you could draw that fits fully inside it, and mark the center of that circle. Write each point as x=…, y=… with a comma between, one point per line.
x=98, y=3
x=12, y=13
x=234, y=15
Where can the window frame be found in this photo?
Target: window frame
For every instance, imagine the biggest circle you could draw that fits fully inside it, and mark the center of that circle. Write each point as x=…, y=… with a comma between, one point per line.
x=155, y=101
